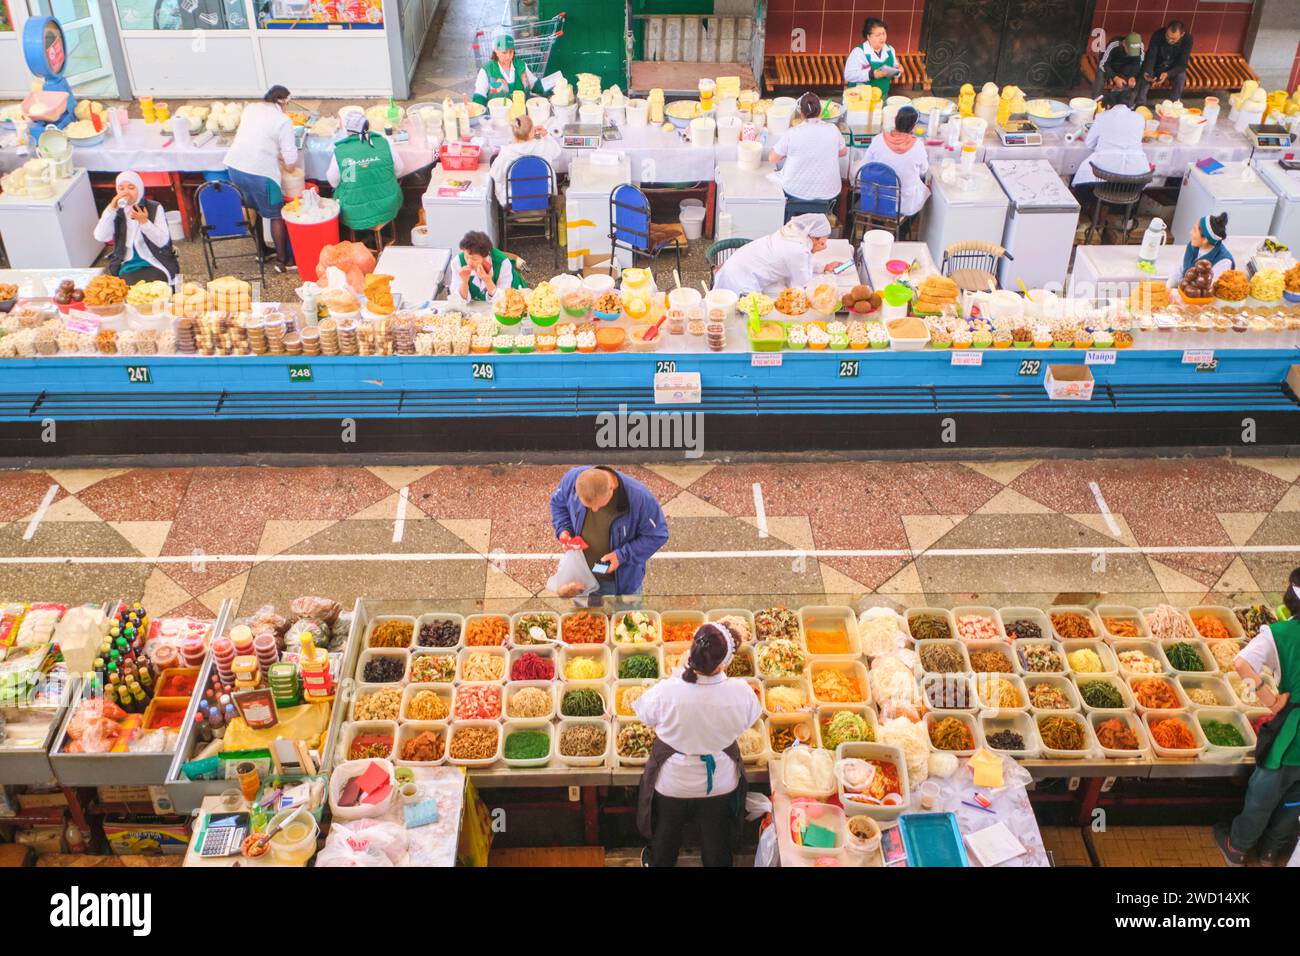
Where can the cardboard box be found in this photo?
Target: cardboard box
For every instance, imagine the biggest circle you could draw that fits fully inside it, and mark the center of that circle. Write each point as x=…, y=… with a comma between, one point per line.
x=598, y=264
x=1069, y=383
x=145, y=834
x=1293, y=380
x=42, y=801
x=116, y=794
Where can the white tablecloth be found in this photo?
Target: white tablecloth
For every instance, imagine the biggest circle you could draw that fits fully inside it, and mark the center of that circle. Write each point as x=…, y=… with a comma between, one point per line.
x=1111, y=271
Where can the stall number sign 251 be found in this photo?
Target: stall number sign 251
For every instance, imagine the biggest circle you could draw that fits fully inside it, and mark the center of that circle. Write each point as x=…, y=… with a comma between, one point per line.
x=849, y=368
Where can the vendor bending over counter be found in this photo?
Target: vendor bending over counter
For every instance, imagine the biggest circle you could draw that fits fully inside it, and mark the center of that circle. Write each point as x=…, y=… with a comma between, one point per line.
x=778, y=261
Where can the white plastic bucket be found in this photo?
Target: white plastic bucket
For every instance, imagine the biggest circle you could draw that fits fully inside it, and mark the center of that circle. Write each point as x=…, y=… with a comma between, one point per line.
x=973, y=129
x=539, y=110
x=876, y=245
x=728, y=130
x=1010, y=305
x=1039, y=304
x=499, y=111
x=1082, y=109
x=596, y=284
x=591, y=115
x=723, y=299
x=565, y=115
x=175, y=226
x=422, y=239
x=686, y=298
x=1190, y=128
x=616, y=114
x=702, y=128
x=778, y=118
x=749, y=154
x=692, y=220
x=564, y=283
x=726, y=107
x=637, y=112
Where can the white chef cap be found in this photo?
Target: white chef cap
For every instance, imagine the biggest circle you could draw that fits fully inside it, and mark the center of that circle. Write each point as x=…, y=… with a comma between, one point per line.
x=812, y=225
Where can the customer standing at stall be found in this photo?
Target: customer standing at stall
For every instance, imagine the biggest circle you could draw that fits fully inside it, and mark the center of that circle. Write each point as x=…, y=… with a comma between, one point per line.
x=262, y=150
x=904, y=152
x=1270, y=819
x=137, y=227
x=1166, y=59
x=695, y=771
x=501, y=76
x=618, y=518
x=874, y=62
x=1118, y=69
x=783, y=259
x=364, y=171
x=811, y=154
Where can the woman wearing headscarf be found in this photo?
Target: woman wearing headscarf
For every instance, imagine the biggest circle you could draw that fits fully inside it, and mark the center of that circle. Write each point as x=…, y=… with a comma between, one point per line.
x=528, y=141
x=778, y=261
x=364, y=171
x=811, y=153
x=264, y=148
x=904, y=152
x=695, y=771
x=1206, y=242
x=137, y=227
x=501, y=76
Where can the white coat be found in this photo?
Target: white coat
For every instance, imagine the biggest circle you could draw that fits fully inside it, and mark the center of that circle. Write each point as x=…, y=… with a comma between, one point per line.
x=265, y=138
x=911, y=168
x=767, y=265
x=1116, y=143
x=546, y=147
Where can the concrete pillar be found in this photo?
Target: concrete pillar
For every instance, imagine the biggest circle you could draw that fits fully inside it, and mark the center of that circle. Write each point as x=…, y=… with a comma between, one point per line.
x=1272, y=39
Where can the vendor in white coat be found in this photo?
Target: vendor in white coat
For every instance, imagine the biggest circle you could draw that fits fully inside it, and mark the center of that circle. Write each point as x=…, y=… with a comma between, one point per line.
x=783, y=259
x=142, y=244
x=263, y=149
x=811, y=153
x=695, y=770
x=904, y=152
x=528, y=141
x=1115, y=139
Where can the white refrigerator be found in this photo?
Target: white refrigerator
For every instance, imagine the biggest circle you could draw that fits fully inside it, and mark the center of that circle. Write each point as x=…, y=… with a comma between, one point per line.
x=472, y=210
x=586, y=205
x=1041, y=223
x=54, y=232
x=1285, y=184
x=1249, y=202
x=970, y=207
x=752, y=199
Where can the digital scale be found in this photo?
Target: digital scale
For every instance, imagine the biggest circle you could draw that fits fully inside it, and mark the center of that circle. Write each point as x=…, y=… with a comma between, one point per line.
x=1019, y=132
x=587, y=135
x=1271, y=136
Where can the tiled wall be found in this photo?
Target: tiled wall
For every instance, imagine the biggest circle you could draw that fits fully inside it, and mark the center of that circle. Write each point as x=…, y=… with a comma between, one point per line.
x=835, y=26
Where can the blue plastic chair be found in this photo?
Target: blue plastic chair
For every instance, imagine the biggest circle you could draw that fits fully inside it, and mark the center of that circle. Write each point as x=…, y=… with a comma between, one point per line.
x=877, y=196
x=530, y=202
x=629, y=220
x=224, y=218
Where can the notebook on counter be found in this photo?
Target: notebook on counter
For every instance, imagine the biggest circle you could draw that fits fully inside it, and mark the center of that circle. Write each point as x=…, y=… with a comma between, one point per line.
x=1209, y=165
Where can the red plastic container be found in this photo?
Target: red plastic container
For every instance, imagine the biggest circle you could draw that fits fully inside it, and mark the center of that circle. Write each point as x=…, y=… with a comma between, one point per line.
x=464, y=162
x=308, y=240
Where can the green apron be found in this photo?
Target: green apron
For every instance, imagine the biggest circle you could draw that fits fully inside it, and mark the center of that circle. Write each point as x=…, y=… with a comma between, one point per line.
x=476, y=292
x=881, y=83
x=499, y=86
x=368, y=193
x=1286, y=747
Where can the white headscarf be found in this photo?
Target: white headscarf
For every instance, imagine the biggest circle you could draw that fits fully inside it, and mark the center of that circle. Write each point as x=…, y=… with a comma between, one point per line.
x=355, y=121
x=805, y=228
x=128, y=176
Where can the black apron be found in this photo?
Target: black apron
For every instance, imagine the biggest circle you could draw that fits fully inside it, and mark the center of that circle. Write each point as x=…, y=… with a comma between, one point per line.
x=660, y=752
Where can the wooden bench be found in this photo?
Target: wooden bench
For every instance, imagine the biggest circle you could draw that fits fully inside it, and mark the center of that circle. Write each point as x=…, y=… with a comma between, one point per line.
x=796, y=73
x=1206, y=72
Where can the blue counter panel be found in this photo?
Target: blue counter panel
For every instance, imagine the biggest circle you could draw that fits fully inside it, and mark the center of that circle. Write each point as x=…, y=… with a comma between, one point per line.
x=146, y=387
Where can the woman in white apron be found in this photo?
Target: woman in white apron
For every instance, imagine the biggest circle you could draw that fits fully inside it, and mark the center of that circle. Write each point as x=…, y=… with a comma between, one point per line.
x=1115, y=139
x=778, y=261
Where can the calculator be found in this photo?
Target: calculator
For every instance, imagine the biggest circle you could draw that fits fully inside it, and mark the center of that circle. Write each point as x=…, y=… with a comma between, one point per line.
x=222, y=834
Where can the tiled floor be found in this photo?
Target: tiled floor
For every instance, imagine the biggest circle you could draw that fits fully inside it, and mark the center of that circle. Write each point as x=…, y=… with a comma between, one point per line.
x=860, y=533
x=1156, y=846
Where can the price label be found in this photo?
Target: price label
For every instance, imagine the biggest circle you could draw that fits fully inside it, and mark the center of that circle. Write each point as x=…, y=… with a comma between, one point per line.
x=1099, y=357
x=1198, y=356
x=1031, y=367
x=662, y=367
x=482, y=372
x=139, y=375
x=967, y=357
x=764, y=359
x=300, y=373
x=849, y=368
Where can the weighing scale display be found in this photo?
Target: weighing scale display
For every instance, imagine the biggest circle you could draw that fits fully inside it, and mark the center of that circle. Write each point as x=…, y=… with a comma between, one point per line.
x=1020, y=133
x=1270, y=137
x=581, y=136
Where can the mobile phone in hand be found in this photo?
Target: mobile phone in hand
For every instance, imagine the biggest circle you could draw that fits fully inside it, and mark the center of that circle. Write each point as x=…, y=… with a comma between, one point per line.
x=600, y=567
x=842, y=267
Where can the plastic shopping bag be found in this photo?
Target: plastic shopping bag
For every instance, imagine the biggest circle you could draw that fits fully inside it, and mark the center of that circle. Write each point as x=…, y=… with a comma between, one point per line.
x=572, y=578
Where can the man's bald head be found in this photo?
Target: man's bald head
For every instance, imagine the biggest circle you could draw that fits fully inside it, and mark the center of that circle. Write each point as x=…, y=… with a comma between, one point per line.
x=595, y=488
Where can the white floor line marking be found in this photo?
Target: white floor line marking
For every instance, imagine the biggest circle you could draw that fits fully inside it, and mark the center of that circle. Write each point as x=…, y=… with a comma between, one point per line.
x=759, y=511
x=399, y=526
x=1105, y=510
x=399, y=556
x=40, y=513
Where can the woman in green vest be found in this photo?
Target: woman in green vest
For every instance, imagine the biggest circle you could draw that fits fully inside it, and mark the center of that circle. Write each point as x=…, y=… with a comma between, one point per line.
x=500, y=76
x=476, y=272
x=364, y=171
x=874, y=62
x=1270, y=819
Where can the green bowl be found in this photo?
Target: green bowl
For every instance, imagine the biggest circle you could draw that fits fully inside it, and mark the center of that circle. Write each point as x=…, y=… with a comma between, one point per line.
x=566, y=348
x=544, y=321
x=1062, y=345
x=940, y=345
x=880, y=345
x=576, y=313
x=524, y=349
x=1020, y=345
x=507, y=320
x=796, y=345
x=503, y=349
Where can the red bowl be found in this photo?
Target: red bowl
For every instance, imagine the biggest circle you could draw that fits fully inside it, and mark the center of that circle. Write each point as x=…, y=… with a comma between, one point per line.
x=896, y=267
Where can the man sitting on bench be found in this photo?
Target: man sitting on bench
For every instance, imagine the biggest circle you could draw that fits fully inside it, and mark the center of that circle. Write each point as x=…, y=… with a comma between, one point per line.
x=1167, y=56
x=1118, y=69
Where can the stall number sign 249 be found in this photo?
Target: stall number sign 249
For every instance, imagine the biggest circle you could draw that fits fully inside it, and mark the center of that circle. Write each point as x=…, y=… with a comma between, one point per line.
x=482, y=371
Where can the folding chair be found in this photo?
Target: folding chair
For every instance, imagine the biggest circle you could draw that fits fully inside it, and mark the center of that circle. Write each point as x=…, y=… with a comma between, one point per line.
x=629, y=226
x=531, y=203
x=224, y=218
x=973, y=264
x=876, y=200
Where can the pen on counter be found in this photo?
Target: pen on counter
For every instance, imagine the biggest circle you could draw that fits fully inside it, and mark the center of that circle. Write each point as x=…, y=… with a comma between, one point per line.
x=976, y=806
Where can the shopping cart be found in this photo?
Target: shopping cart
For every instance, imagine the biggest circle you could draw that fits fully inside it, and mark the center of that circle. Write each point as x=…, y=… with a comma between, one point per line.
x=533, y=42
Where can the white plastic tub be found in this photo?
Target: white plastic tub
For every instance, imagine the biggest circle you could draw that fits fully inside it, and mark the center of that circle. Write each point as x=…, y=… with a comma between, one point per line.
x=1224, y=615
x=516, y=638
x=1211, y=682
x=432, y=652
x=412, y=729
x=728, y=130
x=1097, y=717
x=1183, y=702
x=935, y=716
x=826, y=712
x=702, y=129
x=852, y=669
x=622, y=761
x=824, y=815
x=821, y=617
x=596, y=284
x=596, y=761
x=623, y=685
x=876, y=245
x=723, y=299
x=396, y=653
x=547, y=687
x=345, y=771
x=433, y=616
x=1087, y=612
x=1227, y=716
x=1125, y=612
x=950, y=692
x=365, y=690
x=444, y=691
x=472, y=618
x=516, y=725
x=992, y=722
x=1001, y=648
x=1018, y=648
x=1089, y=738
x=565, y=619
x=462, y=690
x=1148, y=647
x=915, y=612
x=985, y=685
x=602, y=689
x=1203, y=649
x=1114, y=680
x=692, y=222
x=1063, y=684
x=380, y=619
x=1185, y=716
x=466, y=653
x=685, y=298
x=623, y=651
x=718, y=612
x=474, y=761
x=794, y=683
x=357, y=728
x=591, y=115
x=1010, y=615
x=789, y=722
x=978, y=611
x=955, y=645
x=1109, y=663
x=595, y=652
x=876, y=751
x=637, y=112
x=749, y=155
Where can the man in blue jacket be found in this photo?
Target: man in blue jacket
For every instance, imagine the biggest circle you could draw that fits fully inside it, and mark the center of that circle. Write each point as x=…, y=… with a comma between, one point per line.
x=618, y=518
